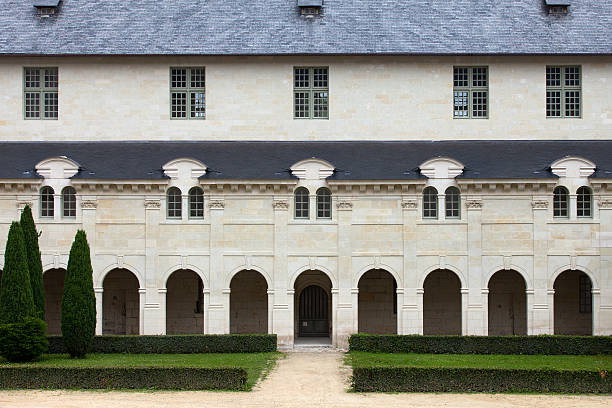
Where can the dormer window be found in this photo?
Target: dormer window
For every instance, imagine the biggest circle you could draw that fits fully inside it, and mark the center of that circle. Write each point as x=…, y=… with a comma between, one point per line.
x=310, y=8
x=46, y=8
x=557, y=6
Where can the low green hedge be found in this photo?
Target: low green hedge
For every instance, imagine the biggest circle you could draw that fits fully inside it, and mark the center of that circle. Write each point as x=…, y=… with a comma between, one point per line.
x=175, y=344
x=412, y=379
x=571, y=345
x=123, y=378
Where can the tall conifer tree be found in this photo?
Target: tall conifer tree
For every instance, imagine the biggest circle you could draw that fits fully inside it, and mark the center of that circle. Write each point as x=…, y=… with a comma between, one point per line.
x=16, y=301
x=30, y=237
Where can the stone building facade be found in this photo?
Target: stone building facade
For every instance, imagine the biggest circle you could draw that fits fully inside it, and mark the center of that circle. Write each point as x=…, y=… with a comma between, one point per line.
x=390, y=213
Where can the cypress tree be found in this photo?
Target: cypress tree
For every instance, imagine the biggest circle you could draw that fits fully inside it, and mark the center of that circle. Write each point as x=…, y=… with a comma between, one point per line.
x=30, y=237
x=16, y=301
x=78, y=299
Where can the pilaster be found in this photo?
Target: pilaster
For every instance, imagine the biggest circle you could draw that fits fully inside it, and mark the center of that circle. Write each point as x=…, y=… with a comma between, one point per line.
x=218, y=310
x=408, y=309
x=473, y=311
x=342, y=300
x=541, y=311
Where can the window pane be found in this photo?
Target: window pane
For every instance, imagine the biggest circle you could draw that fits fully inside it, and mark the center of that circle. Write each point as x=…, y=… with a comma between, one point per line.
x=430, y=203
x=174, y=203
x=572, y=76
x=198, y=105
x=51, y=105
x=461, y=103
x=51, y=78
x=560, y=202
x=584, y=202
x=197, y=77
x=553, y=103
x=32, y=105
x=301, y=203
x=320, y=104
x=479, y=104
x=320, y=78
x=46, y=202
x=196, y=203
x=452, y=203
x=572, y=103
x=179, y=78
x=586, y=300
x=479, y=77
x=460, y=77
x=301, y=79
x=32, y=78
x=302, y=104
x=69, y=202
x=179, y=104
x=323, y=203
x=553, y=76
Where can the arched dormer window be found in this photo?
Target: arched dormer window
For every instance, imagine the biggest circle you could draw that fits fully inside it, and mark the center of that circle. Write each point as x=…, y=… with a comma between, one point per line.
x=174, y=203
x=301, y=203
x=430, y=203
x=452, y=202
x=196, y=203
x=584, y=202
x=324, y=203
x=68, y=202
x=560, y=202
x=46, y=202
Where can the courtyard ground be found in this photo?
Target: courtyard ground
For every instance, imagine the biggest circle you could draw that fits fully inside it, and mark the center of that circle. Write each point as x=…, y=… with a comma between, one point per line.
x=313, y=380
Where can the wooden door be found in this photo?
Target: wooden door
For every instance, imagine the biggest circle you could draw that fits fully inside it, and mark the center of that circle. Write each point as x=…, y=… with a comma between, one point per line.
x=313, y=312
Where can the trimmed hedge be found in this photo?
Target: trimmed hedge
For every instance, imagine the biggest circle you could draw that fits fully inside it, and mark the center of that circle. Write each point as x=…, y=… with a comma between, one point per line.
x=123, y=378
x=412, y=379
x=23, y=341
x=570, y=345
x=175, y=344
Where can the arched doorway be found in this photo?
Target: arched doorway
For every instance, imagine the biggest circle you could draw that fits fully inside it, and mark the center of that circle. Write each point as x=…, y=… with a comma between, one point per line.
x=573, y=304
x=507, y=304
x=313, y=305
x=53, y=281
x=442, y=303
x=120, y=303
x=248, y=303
x=184, y=303
x=377, y=303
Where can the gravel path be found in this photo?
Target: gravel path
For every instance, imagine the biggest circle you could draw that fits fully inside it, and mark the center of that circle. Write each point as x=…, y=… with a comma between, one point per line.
x=304, y=380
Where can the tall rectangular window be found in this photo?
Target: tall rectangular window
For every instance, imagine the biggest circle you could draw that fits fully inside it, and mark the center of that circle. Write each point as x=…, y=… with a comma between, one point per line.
x=311, y=93
x=470, y=92
x=563, y=92
x=187, y=93
x=40, y=93
x=586, y=304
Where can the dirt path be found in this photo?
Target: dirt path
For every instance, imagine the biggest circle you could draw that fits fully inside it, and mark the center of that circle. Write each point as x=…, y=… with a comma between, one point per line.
x=304, y=380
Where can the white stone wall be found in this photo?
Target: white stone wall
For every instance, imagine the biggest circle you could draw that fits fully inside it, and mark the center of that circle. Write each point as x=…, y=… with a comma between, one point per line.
x=251, y=98
x=503, y=226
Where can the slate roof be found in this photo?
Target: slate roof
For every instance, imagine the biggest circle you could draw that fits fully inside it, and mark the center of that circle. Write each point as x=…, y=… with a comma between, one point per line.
x=272, y=160
x=275, y=27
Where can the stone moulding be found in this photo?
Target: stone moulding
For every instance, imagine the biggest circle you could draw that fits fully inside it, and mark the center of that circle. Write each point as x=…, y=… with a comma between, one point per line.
x=152, y=204
x=473, y=204
x=89, y=204
x=344, y=205
x=606, y=204
x=216, y=204
x=280, y=205
x=22, y=204
x=539, y=204
x=409, y=204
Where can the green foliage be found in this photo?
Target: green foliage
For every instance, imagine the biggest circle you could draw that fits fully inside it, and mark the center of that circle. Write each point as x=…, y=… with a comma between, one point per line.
x=30, y=238
x=415, y=379
x=576, y=345
x=16, y=302
x=176, y=344
x=23, y=341
x=179, y=378
x=78, y=299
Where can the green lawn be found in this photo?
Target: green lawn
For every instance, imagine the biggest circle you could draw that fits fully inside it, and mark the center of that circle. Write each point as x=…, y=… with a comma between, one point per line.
x=256, y=364
x=362, y=359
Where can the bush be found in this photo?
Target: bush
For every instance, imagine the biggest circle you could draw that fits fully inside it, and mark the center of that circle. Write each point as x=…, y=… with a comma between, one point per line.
x=571, y=345
x=412, y=379
x=175, y=344
x=16, y=302
x=78, y=299
x=30, y=239
x=23, y=341
x=180, y=378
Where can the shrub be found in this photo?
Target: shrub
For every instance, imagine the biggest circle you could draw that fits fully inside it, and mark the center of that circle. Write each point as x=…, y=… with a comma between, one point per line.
x=176, y=344
x=16, y=302
x=78, y=299
x=571, y=345
x=179, y=378
x=30, y=238
x=413, y=379
x=23, y=341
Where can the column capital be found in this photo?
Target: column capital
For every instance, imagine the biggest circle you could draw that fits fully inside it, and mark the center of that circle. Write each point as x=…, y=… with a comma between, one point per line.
x=99, y=290
x=162, y=291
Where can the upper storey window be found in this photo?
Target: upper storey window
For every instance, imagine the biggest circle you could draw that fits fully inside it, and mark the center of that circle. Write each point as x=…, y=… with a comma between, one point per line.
x=187, y=93
x=301, y=203
x=47, y=207
x=470, y=92
x=196, y=203
x=560, y=202
x=563, y=92
x=323, y=203
x=430, y=202
x=69, y=202
x=40, y=97
x=174, y=203
x=584, y=201
x=452, y=202
x=310, y=93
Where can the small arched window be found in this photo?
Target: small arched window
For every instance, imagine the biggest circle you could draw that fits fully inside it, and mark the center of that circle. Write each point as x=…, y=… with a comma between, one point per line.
x=196, y=203
x=452, y=202
x=46, y=202
x=174, y=203
x=323, y=203
x=301, y=203
x=68, y=202
x=430, y=203
x=560, y=202
x=584, y=202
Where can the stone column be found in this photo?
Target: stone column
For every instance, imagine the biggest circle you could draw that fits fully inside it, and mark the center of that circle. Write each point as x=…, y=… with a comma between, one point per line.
x=399, y=292
x=162, y=310
x=227, y=298
x=595, y=293
x=291, y=313
x=99, y=293
x=142, y=293
x=355, y=306
x=270, y=311
x=419, y=295
x=411, y=305
x=150, y=310
x=529, y=295
x=218, y=309
x=336, y=341
x=342, y=300
x=280, y=316
x=206, y=305
x=543, y=297
x=473, y=312
x=602, y=296
x=485, y=310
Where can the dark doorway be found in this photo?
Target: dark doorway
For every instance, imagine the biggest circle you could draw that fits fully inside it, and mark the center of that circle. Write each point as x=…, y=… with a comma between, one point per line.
x=313, y=314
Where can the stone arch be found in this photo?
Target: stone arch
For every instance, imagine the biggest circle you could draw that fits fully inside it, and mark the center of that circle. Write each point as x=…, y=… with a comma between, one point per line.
x=377, y=306
x=305, y=268
x=184, y=302
x=313, y=306
x=386, y=268
x=568, y=267
x=521, y=271
x=121, y=302
x=53, y=282
x=249, y=302
x=178, y=267
x=448, y=267
x=99, y=280
x=442, y=303
x=251, y=267
x=573, y=309
x=507, y=303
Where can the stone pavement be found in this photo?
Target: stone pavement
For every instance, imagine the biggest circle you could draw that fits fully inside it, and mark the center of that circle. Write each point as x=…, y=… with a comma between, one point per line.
x=313, y=380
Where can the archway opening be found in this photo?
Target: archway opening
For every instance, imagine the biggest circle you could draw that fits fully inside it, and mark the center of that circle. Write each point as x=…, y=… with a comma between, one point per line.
x=313, y=305
x=184, y=303
x=120, y=303
x=377, y=305
x=53, y=281
x=507, y=304
x=573, y=304
x=248, y=303
x=442, y=303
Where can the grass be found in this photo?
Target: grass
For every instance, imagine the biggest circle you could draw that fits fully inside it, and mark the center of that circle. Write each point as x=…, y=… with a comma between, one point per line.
x=563, y=362
x=257, y=365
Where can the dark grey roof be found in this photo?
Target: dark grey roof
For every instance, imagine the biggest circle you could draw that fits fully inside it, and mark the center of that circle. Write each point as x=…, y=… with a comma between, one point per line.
x=234, y=27
x=272, y=160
